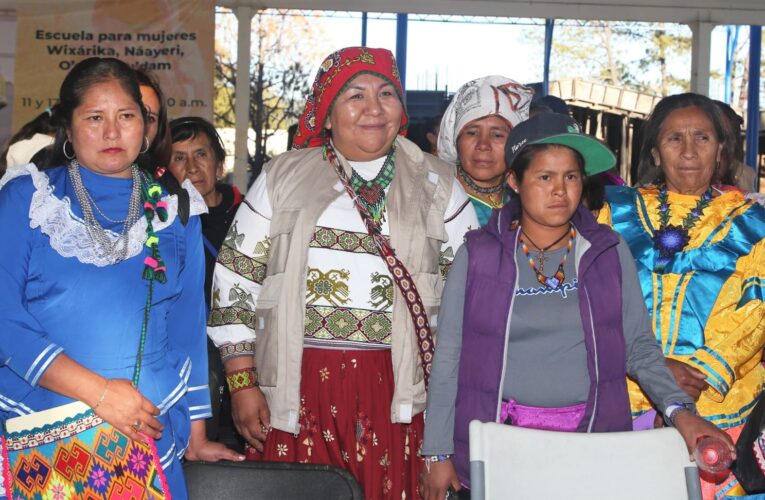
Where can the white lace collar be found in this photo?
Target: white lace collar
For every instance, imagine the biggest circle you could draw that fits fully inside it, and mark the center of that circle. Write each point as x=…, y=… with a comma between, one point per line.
x=67, y=232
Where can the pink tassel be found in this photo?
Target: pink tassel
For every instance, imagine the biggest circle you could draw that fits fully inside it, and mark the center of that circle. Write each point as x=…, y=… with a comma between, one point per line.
x=158, y=465
x=7, y=477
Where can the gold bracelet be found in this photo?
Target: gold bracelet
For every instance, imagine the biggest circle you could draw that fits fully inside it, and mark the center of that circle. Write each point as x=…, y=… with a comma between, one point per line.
x=241, y=379
x=103, y=396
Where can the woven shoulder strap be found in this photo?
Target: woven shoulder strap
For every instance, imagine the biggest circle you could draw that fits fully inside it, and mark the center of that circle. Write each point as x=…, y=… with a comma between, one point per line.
x=398, y=271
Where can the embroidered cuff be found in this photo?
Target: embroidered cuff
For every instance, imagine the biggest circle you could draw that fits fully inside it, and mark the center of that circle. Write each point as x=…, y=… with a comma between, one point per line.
x=752, y=289
x=230, y=351
x=720, y=375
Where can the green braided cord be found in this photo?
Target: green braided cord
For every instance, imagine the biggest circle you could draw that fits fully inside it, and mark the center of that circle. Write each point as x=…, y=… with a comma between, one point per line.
x=150, y=275
x=144, y=328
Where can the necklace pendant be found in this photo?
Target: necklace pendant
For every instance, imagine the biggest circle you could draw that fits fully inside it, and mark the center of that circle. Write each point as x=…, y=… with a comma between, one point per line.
x=552, y=282
x=371, y=194
x=670, y=240
x=541, y=259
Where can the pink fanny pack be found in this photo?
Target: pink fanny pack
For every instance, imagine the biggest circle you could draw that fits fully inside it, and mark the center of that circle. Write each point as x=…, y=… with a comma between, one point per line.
x=564, y=418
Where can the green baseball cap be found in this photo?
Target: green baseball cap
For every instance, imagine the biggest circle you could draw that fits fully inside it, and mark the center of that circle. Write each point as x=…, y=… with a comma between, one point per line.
x=554, y=128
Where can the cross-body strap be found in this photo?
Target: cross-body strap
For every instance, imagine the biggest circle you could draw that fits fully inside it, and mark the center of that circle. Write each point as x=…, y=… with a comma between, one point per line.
x=398, y=271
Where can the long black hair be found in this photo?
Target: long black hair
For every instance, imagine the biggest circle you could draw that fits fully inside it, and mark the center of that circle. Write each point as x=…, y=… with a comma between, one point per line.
x=158, y=157
x=161, y=147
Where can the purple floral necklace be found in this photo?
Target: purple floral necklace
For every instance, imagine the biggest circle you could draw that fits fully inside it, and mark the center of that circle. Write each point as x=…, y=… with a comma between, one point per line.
x=670, y=238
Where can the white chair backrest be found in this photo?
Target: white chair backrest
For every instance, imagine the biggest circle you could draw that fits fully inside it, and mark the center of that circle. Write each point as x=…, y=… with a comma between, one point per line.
x=511, y=463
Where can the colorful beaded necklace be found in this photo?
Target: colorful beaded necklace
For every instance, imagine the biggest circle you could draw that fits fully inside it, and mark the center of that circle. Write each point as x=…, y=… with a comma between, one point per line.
x=556, y=280
x=670, y=239
x=371, y=193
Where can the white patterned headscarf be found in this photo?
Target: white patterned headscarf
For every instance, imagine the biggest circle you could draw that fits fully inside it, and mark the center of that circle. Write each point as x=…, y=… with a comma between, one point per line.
x=490, y=95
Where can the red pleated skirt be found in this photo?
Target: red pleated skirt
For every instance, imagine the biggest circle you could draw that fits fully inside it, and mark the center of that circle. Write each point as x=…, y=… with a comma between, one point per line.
x=345, y=421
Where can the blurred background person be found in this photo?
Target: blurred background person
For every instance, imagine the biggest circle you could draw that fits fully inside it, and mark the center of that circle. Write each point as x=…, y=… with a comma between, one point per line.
x=31, y=138
x=472, y=136
x=157, y=130
x=198, y=156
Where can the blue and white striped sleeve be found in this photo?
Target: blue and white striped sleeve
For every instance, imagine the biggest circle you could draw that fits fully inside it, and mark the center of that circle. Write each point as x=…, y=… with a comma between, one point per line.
x=187, y=322
x=24, y=346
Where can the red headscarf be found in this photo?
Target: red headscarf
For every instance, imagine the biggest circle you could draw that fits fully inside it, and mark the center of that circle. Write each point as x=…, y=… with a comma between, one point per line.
x=335, y=72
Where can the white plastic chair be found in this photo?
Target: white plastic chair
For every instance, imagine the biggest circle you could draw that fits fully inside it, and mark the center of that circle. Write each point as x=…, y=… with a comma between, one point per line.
x=511, y=463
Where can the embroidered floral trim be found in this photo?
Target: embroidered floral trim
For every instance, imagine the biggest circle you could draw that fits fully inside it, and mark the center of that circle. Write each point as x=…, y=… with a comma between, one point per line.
x=252, y=268
x=67, y=232
x=347, y=325
x=229, y=351
x=232, y=316
x=337, y=239
x=445, y=259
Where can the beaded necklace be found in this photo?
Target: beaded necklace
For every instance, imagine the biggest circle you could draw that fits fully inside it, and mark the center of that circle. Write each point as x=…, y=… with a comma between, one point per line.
x=670, y=239
x=556, y=280
x=469, y=182
x=371, y=193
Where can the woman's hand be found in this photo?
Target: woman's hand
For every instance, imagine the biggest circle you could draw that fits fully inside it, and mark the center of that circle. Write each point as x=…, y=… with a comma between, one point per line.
x=126, y=409
x=200, y=448
x=251, y=415
x=116, y=401
x=692, y=428
x=436, y=481
x=691, y=380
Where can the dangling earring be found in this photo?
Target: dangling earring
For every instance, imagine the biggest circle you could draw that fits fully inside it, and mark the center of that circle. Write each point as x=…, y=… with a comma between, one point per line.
x=63, y=148
x=146, y=147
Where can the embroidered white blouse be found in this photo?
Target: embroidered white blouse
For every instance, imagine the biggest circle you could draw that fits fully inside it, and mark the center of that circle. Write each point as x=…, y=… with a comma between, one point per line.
x=349, y=292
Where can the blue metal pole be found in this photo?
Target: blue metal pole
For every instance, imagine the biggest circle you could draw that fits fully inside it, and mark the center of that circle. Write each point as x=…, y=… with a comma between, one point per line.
x=402, y=23
x=363, y=29
x=728, y=62
x=753, y=101
x=549, y=25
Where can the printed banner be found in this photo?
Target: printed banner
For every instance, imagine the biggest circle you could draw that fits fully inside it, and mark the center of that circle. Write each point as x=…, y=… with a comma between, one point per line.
x=173, y=39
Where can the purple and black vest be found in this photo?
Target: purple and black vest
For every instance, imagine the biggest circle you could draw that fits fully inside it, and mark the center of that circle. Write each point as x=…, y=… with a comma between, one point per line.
x=489, y=292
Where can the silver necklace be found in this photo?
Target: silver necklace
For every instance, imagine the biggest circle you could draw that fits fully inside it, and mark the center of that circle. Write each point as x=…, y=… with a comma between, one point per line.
x=106, y=217
x=113, y=251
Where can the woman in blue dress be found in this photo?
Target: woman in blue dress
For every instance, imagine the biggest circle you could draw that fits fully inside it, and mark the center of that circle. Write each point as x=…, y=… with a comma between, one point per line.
x=71, y=265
